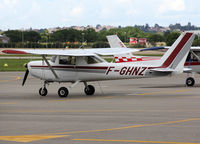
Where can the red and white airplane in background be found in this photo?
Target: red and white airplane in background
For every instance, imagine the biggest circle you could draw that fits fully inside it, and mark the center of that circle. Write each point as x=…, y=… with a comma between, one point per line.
x=192, y=62
x=84, y=65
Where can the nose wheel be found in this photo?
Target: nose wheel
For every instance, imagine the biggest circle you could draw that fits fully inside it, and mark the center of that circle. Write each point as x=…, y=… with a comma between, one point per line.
x=43, y=91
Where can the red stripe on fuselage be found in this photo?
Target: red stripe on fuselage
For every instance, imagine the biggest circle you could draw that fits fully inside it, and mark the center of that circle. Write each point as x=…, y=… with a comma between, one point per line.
x=77, y=67
x=192, y=64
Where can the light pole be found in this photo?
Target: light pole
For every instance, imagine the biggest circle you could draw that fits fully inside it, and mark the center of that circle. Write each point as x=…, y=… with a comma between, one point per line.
x=83, y=38
x=22, y=37
x=124, y=37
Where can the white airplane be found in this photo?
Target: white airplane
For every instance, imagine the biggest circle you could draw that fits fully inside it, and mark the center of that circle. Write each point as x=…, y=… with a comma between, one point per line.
x=84, y=65
x=192, y=62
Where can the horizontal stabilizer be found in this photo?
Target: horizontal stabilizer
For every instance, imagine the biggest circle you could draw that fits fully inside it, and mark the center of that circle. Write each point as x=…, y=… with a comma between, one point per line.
x=163, y=70
x=187, y=70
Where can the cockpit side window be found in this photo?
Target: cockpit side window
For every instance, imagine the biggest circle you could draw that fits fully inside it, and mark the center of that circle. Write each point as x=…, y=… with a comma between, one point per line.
x=53, y=59
x=92, y=60
x=67, y=60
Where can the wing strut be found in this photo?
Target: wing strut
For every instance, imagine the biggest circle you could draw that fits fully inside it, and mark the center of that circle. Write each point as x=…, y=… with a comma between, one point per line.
x=50, y=67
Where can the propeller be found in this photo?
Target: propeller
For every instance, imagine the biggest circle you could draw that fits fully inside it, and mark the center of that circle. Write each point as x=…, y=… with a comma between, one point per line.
x=26, y=75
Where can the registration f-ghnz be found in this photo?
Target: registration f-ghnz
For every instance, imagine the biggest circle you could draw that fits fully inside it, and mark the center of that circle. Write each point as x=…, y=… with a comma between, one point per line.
x=85, y=65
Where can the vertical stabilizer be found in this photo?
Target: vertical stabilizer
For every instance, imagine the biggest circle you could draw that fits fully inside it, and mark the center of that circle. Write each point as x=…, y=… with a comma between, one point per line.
x=115, y=42
x=175, y=57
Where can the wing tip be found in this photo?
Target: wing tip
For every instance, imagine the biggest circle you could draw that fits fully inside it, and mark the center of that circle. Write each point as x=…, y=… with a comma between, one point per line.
x=14, y=52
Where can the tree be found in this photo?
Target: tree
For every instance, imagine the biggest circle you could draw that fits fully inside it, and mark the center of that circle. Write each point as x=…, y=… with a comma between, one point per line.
x=27, y=36
x=45, y=36
x=196, y=42
x=100, y=44
x=90, y=35
x=153, y=38
x=31, y=36
x=170, y=39
x=66, y=35
x=14, y=35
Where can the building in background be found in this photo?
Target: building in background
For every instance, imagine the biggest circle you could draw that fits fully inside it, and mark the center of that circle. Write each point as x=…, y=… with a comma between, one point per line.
x=142, y=41
x=133, y=40
x=4, y=39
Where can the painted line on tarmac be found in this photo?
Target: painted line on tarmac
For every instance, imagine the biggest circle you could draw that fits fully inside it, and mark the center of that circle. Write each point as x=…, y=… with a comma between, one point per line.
x=132, y=141
x=90, y=111
x=67, y=111
x=16, y=78
x=29, y=138
x=132, y=126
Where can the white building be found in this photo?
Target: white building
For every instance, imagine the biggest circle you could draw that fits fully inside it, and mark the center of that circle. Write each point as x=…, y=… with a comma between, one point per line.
x=4, y=39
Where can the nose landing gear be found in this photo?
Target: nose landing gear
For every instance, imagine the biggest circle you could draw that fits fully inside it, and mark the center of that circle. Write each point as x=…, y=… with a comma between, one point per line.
x=43, y=90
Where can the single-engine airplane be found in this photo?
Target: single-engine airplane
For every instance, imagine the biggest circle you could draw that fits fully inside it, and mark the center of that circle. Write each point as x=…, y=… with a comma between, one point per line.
x=192, y=62
x=84, y=65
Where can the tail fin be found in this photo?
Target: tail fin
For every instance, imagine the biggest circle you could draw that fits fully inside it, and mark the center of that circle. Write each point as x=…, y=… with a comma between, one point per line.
x=115, y=42
x=175, y=57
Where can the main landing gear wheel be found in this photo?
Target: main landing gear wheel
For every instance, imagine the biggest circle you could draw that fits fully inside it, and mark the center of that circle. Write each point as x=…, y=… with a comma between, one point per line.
x=89, y=90
x=43, y=91
x=63, y=92
x=190, y=81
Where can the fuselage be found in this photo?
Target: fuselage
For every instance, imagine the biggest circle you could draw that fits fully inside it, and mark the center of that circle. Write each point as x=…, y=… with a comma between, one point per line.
x=83, y=71
x=193, y=64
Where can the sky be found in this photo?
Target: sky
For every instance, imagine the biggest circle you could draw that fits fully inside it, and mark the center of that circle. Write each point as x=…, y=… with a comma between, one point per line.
x=37, y=14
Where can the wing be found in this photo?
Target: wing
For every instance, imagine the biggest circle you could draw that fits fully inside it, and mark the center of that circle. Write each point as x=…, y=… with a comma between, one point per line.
x=195, y=48
x=153, y=48
x=73, y=52
x=167, y=47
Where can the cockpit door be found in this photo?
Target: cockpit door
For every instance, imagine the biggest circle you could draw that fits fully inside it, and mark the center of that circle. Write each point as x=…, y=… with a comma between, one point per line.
x=67, y=68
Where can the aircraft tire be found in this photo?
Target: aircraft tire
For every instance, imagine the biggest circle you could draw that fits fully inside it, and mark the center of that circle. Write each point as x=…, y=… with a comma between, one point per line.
x=89, y=90
x=190, y=81
x=63, y=92
x=43, y=91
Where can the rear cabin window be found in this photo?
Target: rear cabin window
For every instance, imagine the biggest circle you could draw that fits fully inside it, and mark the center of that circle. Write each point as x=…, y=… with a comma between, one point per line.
x=92, y=60
x=67, y=60
x=191, y=57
